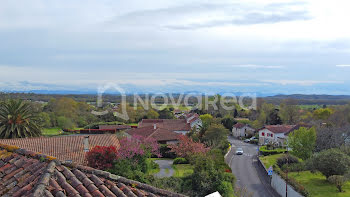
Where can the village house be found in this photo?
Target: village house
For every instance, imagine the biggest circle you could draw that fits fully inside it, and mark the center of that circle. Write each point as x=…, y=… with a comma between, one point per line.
x=66, y=148
x=277, y=134
x=162, y=135
x=29, y=173
x=242, y=130
x=182, y=126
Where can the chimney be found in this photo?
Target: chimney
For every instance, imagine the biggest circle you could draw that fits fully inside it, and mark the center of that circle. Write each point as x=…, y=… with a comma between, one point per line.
x=86, y=144
x=154, y=126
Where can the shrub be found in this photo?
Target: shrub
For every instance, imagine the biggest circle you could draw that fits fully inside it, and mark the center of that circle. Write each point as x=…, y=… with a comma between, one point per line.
x=255, y=141
x=330, y=162
x=286, y=159
x=338, y=181
x=180, y=160
x=101, y=157
x=265, y=151
x=294, y=167
x=165, y=151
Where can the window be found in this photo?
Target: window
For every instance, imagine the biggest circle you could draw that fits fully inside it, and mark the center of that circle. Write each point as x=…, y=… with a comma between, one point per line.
x=268, y=135
x=271, y=135
x=262, y=134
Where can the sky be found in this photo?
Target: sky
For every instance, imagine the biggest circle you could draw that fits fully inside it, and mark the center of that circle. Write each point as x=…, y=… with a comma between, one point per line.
x=254, y=46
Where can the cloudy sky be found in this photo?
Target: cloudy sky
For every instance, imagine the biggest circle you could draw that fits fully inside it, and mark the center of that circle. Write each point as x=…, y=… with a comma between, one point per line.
x=267, y=47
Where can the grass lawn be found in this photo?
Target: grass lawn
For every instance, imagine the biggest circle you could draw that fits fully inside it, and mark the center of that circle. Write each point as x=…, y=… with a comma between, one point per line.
x=55, y=131
x=269, y=160
x=317, y=185
x=51, y=131
x=133, y=124
x=182, y=170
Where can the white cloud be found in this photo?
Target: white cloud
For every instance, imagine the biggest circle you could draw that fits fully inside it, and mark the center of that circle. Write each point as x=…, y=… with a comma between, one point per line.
x=343, y=65
x=256, y=66
x=301, y=82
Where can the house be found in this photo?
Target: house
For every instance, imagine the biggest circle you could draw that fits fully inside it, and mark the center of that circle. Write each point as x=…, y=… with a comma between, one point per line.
x=277, y=134
x=194, y=120
x=66, y=148
x=242, y=130
x=28, y=173
x=162, y=135
x=176, y=125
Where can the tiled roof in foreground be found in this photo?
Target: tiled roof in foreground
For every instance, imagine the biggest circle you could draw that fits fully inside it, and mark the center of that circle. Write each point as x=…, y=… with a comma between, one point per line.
x=64, y=147
x=26, y=173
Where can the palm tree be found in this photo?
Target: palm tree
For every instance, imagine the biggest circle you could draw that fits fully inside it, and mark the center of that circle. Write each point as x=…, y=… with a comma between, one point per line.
x=17, y=120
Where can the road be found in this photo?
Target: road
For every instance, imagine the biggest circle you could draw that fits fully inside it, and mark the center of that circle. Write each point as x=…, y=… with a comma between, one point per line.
x=166, y=169
x=245, y=167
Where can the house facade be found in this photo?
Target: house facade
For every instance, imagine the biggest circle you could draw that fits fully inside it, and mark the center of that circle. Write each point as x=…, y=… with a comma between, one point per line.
x=242, y=130
x=194, y=120
x=275, y=134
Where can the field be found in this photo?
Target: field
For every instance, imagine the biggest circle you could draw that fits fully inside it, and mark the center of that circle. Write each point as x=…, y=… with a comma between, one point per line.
x=269, y=160
x=317, y=185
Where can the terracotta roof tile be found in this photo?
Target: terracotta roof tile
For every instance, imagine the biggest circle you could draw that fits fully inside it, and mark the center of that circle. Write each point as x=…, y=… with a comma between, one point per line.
x=57, y=146
x=22, y=176
x=160, y=134
x=169, y=124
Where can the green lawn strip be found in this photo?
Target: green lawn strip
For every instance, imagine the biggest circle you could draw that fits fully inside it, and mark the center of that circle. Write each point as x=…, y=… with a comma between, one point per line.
x=269, y=160
x=317, y=185
x=51, y=131
x=182, y=170
x=133, y=124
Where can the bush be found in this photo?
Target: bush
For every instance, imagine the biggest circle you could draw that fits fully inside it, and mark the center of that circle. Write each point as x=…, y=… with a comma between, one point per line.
x=264, y=151
x=254, y=141
x=330, y=162
x=294, y=167
x=180, y=160
x=165, y=152
x=101, y=157
x=286, y=159
x=338, y=181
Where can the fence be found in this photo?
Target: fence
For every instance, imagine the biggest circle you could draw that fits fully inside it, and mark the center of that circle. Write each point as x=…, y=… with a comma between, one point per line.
x=279, y=185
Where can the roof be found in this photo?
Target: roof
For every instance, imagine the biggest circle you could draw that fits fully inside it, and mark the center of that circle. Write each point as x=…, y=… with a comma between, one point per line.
x=160, y=134
x=170, y=124
x=116, y=127
x=280, y=128
x=239, y=125
x=63, y=147
x=26, y=173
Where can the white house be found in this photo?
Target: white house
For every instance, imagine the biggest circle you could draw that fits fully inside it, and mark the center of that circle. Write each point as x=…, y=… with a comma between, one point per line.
x=242, y=130
x=276, y=134
x=194, y=120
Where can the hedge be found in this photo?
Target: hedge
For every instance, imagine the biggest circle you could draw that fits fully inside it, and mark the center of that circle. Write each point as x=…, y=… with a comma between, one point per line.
x=180, y=160
x=265, y=152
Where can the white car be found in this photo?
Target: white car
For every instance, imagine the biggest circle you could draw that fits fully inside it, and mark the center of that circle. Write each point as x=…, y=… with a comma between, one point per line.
x=239, y=151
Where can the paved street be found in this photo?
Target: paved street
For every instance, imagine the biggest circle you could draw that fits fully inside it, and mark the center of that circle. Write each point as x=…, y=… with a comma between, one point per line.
x=245, y=168
x=166, y=169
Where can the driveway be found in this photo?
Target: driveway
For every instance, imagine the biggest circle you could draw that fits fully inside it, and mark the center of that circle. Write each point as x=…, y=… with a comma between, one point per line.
x=245, y=167
x=166, y=169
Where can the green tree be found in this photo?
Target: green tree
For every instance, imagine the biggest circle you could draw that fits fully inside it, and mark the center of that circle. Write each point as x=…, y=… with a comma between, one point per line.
x=216, y=136
x=151, y=114
x=207, y=119
x=302, y=142
x=289, y=112
x=228, y=122
x=65, y=123
x=45, y=120
x=17, y=120
x=323, y=113
x=330, y=162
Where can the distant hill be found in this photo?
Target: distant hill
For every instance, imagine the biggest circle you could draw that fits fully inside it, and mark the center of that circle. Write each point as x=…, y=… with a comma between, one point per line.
x=310, y=99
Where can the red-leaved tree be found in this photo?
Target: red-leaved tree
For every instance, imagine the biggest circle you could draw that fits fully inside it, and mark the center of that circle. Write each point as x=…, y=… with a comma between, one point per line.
x=137, y=146
x=187, y=147
x=101, y=157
